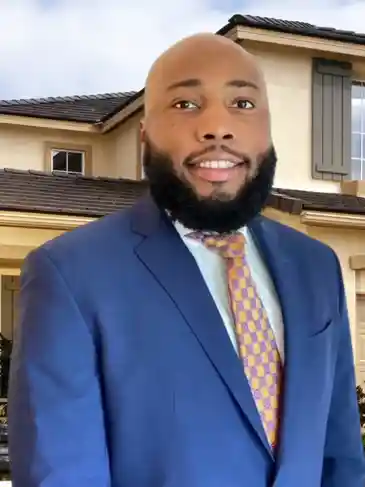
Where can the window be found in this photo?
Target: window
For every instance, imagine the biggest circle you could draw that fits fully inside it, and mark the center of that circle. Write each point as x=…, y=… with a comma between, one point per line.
x=141, y=174
x=140, y=169
x=70, y=162
x=358, y=131
x=68, y=158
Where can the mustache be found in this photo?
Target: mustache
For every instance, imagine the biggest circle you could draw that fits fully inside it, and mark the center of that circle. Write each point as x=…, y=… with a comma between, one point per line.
x=245, y=158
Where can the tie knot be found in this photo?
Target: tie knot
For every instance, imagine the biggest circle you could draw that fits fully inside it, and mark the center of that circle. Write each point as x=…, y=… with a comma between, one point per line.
x=229, y=246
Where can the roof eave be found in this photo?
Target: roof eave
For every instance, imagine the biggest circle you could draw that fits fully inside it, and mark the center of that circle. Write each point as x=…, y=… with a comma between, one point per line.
x=131, y=108
x=47, y=123
x=136, y=96
x=296, y=40
x=42, y=220
x=48, y=219
x=333, y=219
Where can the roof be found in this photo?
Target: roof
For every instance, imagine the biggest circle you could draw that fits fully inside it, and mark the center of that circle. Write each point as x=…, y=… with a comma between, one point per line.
x=33, y=191
x=39, y=192
x=295, y=201
x=98, y=108
x=87, y=108
x=293, y=27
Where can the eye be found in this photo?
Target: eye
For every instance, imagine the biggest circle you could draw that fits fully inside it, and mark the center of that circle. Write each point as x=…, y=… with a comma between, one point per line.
x=244, y=104
x=185, y=105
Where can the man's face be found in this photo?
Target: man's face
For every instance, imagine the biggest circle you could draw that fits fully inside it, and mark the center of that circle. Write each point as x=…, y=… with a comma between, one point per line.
x=209, y=118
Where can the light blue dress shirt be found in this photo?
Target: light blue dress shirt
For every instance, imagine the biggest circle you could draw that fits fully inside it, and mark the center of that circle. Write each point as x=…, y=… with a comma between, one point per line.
x=213, y=270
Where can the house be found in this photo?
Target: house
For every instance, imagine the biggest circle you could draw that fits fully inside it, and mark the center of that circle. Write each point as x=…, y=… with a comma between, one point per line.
x=66, y=161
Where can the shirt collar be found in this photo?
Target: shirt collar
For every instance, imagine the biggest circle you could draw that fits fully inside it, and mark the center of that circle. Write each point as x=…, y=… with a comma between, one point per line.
x=183, y=231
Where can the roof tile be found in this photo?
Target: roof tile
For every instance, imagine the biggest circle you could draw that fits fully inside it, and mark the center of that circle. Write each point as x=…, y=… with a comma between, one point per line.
x=65, y=194
x=293, y=27
x=87, y=109
x=34, y=191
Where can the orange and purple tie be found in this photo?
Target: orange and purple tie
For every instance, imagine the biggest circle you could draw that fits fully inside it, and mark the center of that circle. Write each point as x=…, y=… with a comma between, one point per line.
x=256, y=342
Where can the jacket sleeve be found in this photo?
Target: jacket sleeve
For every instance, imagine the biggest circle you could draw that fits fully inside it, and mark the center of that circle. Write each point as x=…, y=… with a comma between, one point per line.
x=55, y=414
x=344, y=459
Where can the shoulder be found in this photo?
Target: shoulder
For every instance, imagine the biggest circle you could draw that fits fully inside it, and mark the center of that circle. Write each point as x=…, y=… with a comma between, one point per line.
x=308, y=253
x=307, y=261
x=97, y=232
x=289, y=236
x=91, y=245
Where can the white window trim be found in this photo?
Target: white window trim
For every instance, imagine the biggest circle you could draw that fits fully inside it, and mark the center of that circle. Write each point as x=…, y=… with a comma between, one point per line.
x=361, y=102
x=51, y=146
x=67, y=151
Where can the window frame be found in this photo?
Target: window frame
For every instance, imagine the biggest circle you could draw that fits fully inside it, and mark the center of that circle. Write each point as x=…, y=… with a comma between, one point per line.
x=140, y=175
x=360, y=133
x=54, y=152
x=86, y=150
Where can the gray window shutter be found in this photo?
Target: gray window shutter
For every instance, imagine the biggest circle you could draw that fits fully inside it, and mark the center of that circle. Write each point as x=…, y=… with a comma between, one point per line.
x=331, y=119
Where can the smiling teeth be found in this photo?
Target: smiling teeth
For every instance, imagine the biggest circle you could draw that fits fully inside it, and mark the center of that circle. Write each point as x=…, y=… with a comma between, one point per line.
x=217, y=164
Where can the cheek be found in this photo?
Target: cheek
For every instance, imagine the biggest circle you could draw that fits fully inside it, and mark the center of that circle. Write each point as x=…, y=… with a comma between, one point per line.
x=256, y=140
x=158, y=133
x=173, y=141
x=263, y=134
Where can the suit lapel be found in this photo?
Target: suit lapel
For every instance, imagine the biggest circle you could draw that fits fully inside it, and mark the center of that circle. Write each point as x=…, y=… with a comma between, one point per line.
x=304, y=361
x=165, y=255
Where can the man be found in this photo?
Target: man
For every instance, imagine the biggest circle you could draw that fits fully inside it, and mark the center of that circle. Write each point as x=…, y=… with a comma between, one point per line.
x=188, y=341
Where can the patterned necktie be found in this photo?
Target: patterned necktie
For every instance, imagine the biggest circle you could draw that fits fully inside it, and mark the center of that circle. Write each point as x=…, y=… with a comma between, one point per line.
x=256, y=341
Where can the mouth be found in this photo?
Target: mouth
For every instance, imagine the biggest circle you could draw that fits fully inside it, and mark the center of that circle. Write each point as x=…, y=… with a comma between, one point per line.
x=217, y=170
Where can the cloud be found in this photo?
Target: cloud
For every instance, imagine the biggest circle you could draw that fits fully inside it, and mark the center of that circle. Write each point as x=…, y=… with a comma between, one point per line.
x=64, y=47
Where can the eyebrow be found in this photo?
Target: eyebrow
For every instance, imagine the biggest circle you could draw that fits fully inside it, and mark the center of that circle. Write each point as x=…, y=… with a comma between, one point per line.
x=194, y=82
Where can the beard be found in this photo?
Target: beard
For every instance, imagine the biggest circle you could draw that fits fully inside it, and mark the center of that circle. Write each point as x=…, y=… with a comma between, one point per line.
x=219, y=212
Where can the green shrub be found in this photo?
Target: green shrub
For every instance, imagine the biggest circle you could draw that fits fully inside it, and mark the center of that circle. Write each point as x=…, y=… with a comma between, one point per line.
x=361, y=402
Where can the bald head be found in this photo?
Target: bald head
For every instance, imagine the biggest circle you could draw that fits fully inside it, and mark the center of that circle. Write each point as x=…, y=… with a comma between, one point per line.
x=191, y=55
x=207, y=95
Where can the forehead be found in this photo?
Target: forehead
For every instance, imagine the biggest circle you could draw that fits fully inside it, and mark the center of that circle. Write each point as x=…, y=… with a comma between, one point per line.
x=207, y=63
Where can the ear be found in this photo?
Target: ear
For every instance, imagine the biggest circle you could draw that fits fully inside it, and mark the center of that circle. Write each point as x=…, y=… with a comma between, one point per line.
x=142, y=131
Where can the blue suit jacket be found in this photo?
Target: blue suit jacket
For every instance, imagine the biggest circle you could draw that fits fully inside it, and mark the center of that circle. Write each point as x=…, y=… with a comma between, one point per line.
x=123, y=374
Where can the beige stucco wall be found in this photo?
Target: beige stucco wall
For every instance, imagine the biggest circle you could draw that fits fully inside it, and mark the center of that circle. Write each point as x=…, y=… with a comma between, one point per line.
x=123, y=144
x=288, y=73
x=114, y=154
x=346, y=243
x=24, y=147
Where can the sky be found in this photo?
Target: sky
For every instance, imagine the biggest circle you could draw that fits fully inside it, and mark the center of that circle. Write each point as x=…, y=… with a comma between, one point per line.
x=76, y=47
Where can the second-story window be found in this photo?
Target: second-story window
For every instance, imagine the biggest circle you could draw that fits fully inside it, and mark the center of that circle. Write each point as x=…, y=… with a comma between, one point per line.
x=358, y=131
x=70, y=162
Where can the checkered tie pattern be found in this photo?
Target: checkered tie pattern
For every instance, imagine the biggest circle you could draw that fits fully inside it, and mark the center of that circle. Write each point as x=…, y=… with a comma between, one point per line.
x=255, y=338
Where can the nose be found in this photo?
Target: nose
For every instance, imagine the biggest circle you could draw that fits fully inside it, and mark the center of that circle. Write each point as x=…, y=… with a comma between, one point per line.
x=216, y=135
x=215, y=125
